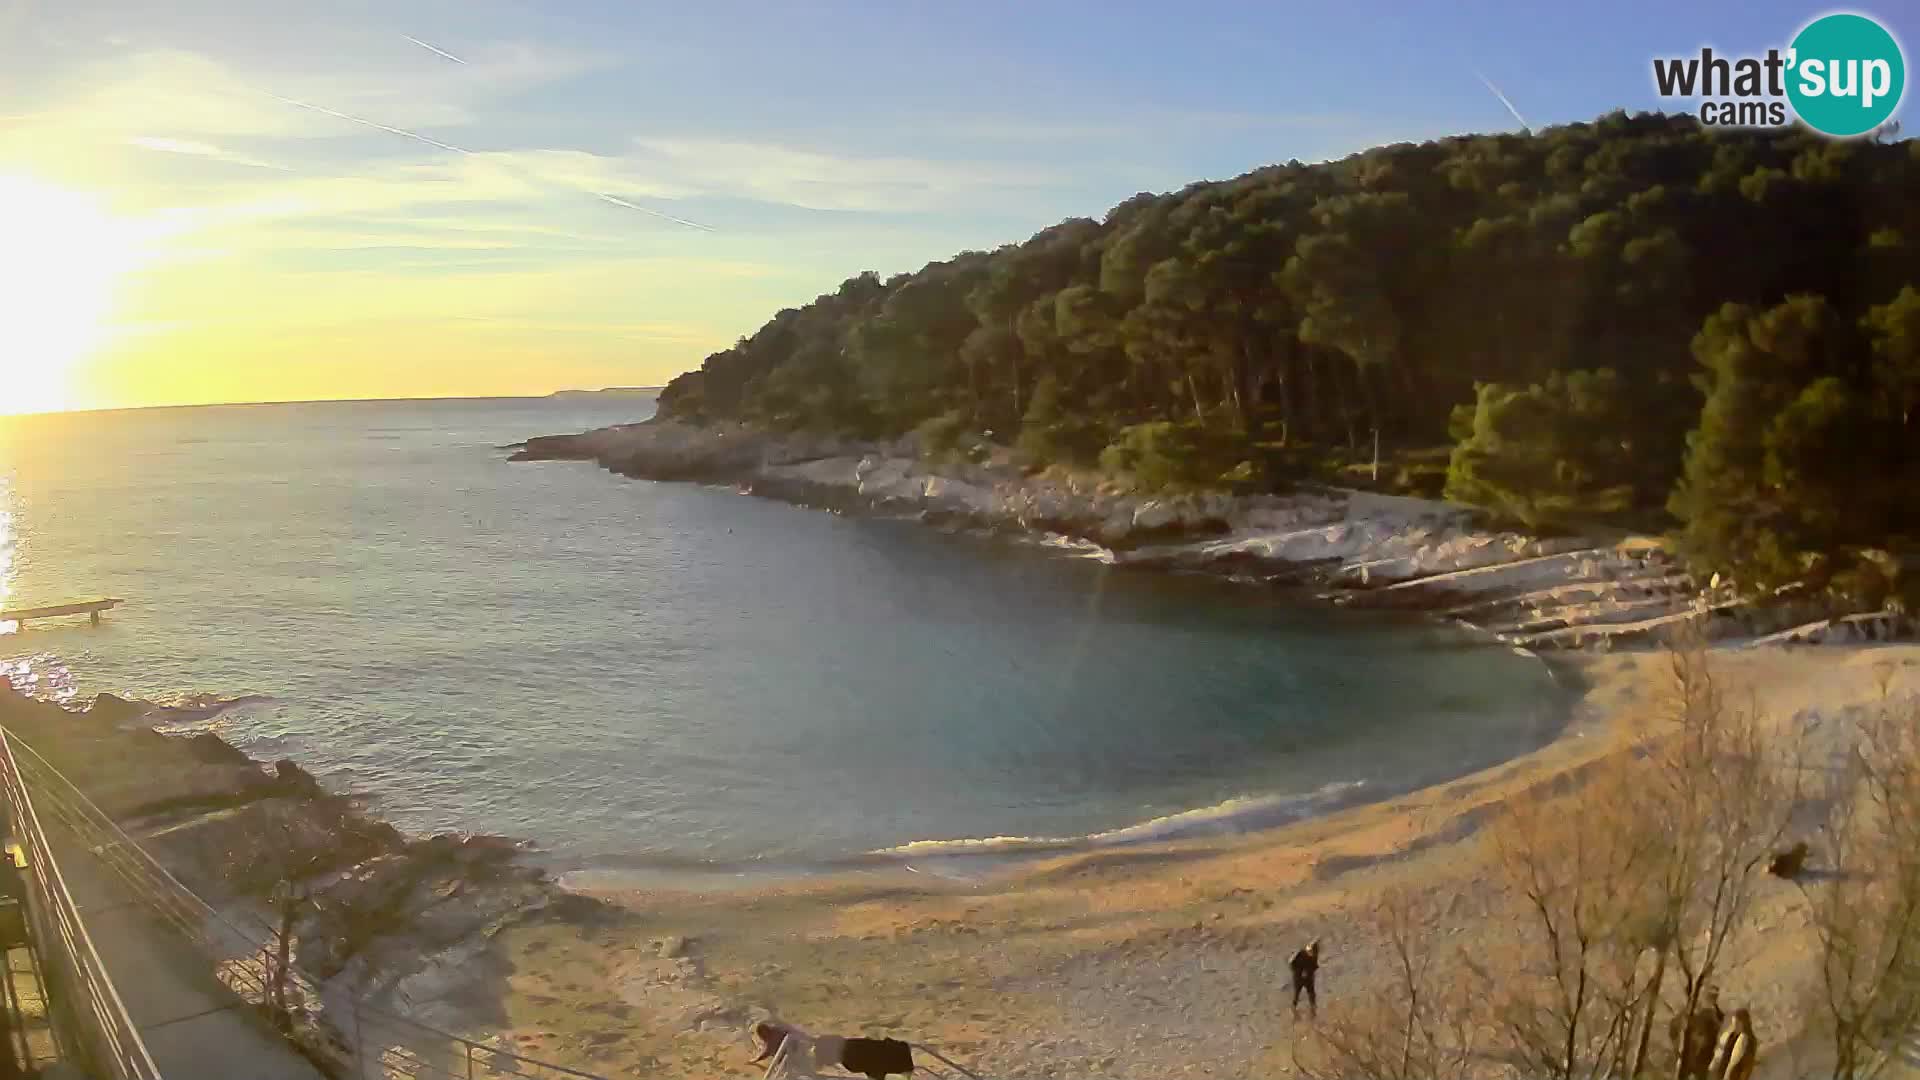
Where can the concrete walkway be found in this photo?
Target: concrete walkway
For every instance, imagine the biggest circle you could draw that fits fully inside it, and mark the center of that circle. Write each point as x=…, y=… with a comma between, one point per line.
x=195, y=1028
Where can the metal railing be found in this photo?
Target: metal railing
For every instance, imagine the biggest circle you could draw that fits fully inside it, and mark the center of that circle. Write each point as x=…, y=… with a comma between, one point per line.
x=364, y=1040
x=385, y=1045
x=95, y=1029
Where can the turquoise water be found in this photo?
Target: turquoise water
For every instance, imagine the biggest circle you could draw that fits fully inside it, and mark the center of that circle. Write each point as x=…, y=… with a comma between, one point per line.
x=636, y=674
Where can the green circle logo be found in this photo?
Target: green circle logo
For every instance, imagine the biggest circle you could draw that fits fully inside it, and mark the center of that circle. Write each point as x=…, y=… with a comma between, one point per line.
x=1845, y=74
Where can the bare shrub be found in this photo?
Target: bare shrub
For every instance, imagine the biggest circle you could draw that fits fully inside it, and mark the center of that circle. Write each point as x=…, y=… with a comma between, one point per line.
x=1865, y=910
x=1626, y=890
x=1563, y=996
x=1720, y=796
x=1630, y=888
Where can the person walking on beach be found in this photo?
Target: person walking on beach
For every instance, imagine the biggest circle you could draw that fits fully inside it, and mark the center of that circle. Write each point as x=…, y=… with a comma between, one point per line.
x=1695, y=1037
x=1737, y=1051
x=1305, y=965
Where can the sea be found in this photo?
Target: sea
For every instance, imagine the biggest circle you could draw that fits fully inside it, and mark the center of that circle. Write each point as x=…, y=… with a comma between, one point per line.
x=666, y=678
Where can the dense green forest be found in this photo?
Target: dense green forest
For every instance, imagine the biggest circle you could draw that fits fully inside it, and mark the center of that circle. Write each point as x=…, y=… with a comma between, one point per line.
x=1639, y=320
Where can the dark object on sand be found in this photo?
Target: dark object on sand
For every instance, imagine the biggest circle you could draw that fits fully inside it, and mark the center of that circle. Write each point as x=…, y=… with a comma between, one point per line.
x=1789, y=863
x=875, y=1058
x=1305, y=965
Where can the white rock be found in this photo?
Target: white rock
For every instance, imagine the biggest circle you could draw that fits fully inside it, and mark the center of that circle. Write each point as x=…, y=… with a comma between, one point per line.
x=1155, y=514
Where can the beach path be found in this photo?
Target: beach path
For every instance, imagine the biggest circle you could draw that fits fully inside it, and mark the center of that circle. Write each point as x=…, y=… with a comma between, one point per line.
x=193, y=1025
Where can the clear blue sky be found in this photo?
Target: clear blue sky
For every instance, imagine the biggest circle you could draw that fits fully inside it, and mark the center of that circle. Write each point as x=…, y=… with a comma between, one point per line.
x=815, y=139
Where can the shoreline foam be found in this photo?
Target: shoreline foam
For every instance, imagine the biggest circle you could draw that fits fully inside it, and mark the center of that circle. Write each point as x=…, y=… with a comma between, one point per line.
x=1095, y=926
x=974, y=858
x=980, y=858
x=988, y=855
x=1132, y=962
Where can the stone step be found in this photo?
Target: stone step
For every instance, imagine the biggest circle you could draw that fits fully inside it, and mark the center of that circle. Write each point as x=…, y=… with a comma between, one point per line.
x=1597, y=613
x=1543, y=600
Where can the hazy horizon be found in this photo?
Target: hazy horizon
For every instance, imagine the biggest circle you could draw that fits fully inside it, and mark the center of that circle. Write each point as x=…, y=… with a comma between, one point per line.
x=333, y=401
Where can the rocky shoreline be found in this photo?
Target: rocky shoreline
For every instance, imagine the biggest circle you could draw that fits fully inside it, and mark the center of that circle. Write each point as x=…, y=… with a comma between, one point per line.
x=383, y=917
x=404, y=923
x=408, y=923
x=1358, y=548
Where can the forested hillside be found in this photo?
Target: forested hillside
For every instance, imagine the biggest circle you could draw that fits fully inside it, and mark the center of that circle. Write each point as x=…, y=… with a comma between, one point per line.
x=1637, y=319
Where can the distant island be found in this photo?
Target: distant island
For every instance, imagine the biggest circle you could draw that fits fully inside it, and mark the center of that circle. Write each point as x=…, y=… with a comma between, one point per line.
x=610, y=391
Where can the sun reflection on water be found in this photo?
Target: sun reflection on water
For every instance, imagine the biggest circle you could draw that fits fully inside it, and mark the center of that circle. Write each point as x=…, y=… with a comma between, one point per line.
x=6, y=548
x=35, y=674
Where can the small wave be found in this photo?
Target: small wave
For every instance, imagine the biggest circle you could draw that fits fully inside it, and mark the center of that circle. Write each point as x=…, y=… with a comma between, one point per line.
x=1244, y=814
x=199, y=708
x=277, y=745
x=1241, y=814
x=40, y=676
x=984, y=845
x=1075, y=546
x=213, y=701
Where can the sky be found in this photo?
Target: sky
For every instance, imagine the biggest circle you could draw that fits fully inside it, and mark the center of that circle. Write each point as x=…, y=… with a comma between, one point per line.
x=226, y=201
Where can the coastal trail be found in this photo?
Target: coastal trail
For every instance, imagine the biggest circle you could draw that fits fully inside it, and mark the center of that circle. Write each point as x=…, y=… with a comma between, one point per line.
x=193, y=1025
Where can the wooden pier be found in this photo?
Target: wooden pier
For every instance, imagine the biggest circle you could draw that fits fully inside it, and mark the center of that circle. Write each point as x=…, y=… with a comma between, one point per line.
x=89, y=608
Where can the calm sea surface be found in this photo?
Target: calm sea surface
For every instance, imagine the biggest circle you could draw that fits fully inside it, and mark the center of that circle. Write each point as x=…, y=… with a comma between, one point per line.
x=636, y=674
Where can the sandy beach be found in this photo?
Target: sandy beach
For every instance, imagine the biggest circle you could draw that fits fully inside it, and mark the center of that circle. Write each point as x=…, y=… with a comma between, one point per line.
x=1147, y=962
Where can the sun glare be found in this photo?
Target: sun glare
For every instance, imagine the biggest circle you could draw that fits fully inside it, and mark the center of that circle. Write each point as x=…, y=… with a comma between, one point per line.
x=61, y=256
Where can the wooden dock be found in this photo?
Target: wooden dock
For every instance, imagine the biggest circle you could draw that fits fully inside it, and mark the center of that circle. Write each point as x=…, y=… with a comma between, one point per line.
x=89, y=608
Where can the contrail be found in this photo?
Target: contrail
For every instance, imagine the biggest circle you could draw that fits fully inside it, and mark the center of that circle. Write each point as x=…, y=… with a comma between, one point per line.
x=199, y=149
x=324, y=111
x=417, y=137
x=1524, y=126
x=615, y=200
x=433, y=49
